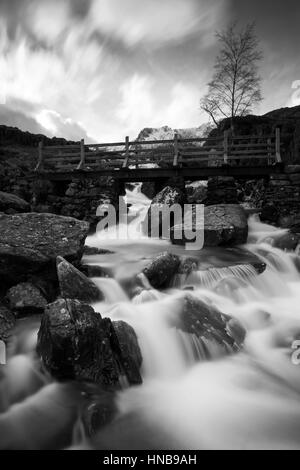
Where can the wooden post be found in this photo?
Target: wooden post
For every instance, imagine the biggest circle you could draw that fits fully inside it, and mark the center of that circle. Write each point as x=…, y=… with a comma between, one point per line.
x=278, y=151
x=175, y=161
x=82, y=155
x=40, y=160
x=125, y=163
x=226, y=134
x=269, y=149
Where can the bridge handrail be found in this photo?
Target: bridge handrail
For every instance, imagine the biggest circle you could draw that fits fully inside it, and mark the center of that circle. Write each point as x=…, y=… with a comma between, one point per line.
x=228, y=147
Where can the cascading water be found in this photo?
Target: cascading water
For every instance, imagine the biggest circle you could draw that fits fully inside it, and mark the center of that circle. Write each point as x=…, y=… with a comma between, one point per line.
x=246, y=400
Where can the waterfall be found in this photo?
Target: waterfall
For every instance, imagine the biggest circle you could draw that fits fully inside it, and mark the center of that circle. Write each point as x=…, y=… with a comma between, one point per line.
x=195, y=393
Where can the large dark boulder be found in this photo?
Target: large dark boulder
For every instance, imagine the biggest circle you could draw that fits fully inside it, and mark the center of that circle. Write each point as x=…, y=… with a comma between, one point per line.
x=10, y=204
x=30, y=243
x=217, y=333
x=76, y=343
x=25, y=298
x=126, y=350
x=224, y=225
x=7, y=322
x=157, y=212
x=74, y=284
x=161, y=270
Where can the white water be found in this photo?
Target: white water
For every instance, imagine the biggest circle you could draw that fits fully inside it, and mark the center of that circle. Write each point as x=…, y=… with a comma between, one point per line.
x=249, y=400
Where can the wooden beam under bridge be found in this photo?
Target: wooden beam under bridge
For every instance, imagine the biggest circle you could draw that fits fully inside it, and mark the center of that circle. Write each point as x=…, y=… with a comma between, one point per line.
x=153, y=174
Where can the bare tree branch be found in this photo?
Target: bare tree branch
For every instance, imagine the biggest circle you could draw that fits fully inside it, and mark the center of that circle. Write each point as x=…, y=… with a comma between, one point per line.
x=235, y=86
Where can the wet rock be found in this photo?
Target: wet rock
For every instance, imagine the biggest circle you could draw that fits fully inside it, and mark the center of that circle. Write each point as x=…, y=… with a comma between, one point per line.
x=7, y=322
x=224, y=225
x=10, y=204
x=220, y=190
x=93, y=250
x=217, y=333
x=196, y=192
x=74, y=284
x=269, y=213
x=153, y=224
x=126, y=350
x=148, y=188
x=76, y=343
x=287, y=242
x=95, y=271
x=187, y=265
x=30, y=243
x=25, y=298
x=161, y=270
x=73, y=342
x=100, y=411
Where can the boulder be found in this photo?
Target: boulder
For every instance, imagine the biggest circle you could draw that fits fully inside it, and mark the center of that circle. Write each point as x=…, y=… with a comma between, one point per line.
x=153, y=223
x=126, y=349
x=217, y=333
x=287, y=242
x=30, y=243
x=76, y=343
x=7, y=322
x=161, y=270
x=224, y=225
x=74, y=284
x=10, y=204
x=25, y=298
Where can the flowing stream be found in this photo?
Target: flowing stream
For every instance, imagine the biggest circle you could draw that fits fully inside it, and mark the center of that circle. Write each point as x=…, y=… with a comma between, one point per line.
x=248, y=400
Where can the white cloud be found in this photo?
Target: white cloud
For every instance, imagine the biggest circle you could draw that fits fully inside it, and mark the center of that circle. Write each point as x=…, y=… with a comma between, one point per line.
x=140, y=107
x=78, y=84
x=153, y=22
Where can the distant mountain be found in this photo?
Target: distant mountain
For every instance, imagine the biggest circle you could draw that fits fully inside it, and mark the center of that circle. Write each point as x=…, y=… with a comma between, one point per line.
x=167, y=133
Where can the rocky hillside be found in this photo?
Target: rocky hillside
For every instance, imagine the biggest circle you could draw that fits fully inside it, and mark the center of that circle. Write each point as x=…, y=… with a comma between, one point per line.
x=287, y=119
x=18, y=155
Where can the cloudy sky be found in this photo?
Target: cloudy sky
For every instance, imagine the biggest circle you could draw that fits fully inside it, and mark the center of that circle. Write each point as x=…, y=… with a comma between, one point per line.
x=103, y=69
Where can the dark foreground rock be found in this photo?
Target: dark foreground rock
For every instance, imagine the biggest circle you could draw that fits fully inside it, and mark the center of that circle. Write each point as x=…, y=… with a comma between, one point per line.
x=25, y=298
x=30, y=243
x=10, y=204
x=224, y=225
x=161, y=270
x=217, y=333
x=76, y=343
x=7, y=322
x=74, y=284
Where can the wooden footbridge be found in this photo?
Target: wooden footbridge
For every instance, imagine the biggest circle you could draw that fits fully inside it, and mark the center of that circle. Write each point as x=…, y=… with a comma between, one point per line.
x=249, y=156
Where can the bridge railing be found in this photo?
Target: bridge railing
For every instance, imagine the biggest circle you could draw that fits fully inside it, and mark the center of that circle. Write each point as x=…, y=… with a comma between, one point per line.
x=176, y=152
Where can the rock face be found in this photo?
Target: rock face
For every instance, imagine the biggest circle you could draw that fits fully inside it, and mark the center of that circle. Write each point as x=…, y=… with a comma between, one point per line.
x=74, y=284
x=224, y=225
x=26, y=298
x=154, y=218
x=221, y=190
x=161, y=270
x=30, y=243
x=126, y=348
x=75, y=343
x=281, y=202
x=10, y=204
x=7, y=322
x=217, y=333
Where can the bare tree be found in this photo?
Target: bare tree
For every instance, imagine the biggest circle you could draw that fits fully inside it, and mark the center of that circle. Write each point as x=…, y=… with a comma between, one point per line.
x=235, y=86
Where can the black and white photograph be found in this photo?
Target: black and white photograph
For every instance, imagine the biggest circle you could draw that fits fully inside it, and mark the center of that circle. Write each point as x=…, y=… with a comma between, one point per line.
x=149, y=228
